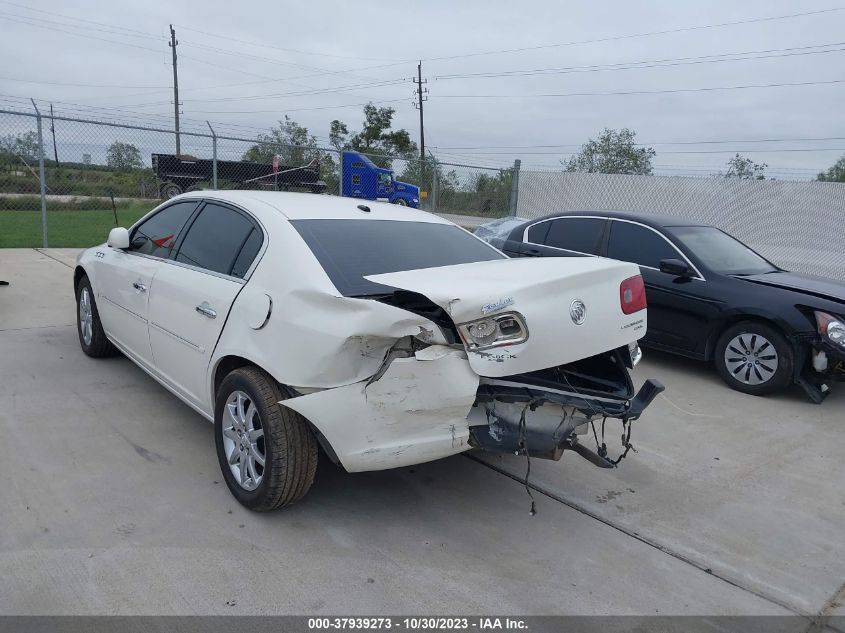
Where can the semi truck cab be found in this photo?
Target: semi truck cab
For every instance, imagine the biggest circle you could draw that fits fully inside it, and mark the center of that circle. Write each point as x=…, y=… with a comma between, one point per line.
x=364, y=179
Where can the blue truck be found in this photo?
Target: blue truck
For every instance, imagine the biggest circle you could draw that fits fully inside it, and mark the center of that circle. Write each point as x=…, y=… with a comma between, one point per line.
x=364, y=179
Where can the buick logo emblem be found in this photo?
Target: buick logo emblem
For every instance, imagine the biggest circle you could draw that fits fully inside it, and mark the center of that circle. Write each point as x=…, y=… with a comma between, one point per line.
x=577, y=311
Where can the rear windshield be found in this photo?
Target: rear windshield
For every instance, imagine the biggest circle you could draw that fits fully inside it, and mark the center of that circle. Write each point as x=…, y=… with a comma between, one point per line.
x=350, y=249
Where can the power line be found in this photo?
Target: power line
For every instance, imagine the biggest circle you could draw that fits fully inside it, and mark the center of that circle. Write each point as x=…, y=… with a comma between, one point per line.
x=279, y=48
x=636, y=35
x=658, y=63
x=36, y=21
x=639, y=92
x=304, y=93
x=284, y=110
x=644, y=144
x=703, y=151
x=70, y=17
x=82, y=35
x=75, y=85
x=230, y=53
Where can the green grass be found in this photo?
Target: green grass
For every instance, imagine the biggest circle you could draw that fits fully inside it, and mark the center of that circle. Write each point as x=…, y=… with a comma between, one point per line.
x=66, y=228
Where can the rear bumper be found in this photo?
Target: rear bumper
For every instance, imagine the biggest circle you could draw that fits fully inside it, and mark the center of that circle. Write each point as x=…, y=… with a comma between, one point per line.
x=544, y=423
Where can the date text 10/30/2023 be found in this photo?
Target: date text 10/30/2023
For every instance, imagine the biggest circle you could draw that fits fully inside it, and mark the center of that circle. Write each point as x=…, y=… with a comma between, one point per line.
x=417, y=623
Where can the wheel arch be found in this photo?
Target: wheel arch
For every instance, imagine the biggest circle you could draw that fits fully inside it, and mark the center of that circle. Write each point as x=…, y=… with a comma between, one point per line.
x=230, y=362
x=722, y=327
x=78, y=273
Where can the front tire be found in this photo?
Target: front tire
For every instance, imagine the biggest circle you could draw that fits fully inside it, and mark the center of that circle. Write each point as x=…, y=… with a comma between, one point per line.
x=401, y=202
x=754, y=358
x=267, y=453
x=92, y=337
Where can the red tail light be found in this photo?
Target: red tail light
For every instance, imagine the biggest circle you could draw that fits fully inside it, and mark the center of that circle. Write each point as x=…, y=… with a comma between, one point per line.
x=632, y=294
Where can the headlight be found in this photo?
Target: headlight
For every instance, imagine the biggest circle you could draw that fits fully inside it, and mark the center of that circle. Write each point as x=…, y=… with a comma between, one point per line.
x=830, y=327
x=494, y=331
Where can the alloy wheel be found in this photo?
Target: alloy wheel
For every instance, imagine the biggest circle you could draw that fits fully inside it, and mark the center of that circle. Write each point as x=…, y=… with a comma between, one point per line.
x=243, y=440
x=86, y=316
x=751, y=358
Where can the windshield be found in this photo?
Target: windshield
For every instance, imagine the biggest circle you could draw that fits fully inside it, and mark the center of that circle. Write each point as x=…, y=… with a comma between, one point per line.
x=720, y=252
x=350, y=249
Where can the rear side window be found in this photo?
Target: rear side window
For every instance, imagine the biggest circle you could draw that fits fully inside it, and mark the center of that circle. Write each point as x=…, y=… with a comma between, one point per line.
x=216, y=240
x=157, y=235
x=638, y=244
x=576, y=234
x=247, y=255
x=350, y=249
x=537, y=233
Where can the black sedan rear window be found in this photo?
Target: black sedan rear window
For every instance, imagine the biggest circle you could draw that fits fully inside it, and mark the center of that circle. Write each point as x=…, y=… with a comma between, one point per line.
x=350, y=249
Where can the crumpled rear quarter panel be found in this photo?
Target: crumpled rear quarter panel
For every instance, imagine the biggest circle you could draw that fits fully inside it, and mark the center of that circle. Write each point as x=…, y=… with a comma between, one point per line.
x=415, y=412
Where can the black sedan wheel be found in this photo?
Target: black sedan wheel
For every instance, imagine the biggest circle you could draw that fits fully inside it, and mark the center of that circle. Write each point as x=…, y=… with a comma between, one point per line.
x=754, y=358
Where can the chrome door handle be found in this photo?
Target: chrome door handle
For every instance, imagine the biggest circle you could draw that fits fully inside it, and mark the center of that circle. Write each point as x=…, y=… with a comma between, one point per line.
x=139, y=287
x=204, y=310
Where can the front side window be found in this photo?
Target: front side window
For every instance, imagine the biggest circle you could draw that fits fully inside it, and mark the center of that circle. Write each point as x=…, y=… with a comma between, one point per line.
x=639, y=245
x=581, y=235
x=720, y=252
x=157, y=235
x=385, y=179
x=348, y=250
x=217, y=238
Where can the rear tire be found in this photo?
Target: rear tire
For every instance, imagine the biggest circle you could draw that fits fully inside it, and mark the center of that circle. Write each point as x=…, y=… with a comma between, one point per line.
x=170, y=190
x=250, y=426
x=92, y=337
x=754, y=358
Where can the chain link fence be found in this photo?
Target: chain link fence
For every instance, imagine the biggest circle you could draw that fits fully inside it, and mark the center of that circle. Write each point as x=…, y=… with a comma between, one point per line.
x=115, y=172
x=799, y=225
x=120, y=171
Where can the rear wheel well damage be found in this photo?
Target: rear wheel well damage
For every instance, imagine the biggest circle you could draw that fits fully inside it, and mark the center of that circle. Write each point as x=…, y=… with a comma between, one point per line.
x=228, y=364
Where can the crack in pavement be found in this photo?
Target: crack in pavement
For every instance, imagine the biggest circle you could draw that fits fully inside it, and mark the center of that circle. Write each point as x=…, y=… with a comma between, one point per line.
x=812, y=618
x=55, y=259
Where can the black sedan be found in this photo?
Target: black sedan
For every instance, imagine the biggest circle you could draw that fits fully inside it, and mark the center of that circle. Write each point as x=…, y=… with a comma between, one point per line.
x=710, y=297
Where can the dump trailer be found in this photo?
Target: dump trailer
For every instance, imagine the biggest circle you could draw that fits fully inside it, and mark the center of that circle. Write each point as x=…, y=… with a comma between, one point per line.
x=177, y=174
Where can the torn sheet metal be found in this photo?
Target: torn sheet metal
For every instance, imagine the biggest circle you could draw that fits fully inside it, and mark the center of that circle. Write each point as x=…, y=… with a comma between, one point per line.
x=415, y=412
x=542, y=290
x=323, y=340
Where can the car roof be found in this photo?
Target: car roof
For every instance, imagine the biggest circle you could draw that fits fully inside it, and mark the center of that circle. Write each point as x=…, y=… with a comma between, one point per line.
x=649, y=219
x=311, y=206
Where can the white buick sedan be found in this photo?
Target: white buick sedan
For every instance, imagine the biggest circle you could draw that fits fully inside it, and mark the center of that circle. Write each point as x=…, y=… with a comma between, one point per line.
x=384, y=335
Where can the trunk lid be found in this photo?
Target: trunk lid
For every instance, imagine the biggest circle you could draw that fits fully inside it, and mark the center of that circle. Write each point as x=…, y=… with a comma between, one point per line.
x=542, y=290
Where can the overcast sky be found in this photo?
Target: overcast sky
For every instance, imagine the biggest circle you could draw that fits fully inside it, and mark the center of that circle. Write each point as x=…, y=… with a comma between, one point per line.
x=232, y=55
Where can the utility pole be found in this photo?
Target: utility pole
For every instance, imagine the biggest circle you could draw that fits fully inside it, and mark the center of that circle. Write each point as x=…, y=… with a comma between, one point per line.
x=173, y=43
x=53, y=132
x=421, y=92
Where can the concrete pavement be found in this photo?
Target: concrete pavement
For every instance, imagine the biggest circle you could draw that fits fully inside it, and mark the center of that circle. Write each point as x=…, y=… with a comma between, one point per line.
x=112, y=503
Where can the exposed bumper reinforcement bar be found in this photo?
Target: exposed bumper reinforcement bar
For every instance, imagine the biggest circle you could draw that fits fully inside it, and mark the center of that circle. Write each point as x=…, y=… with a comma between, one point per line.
x=519, y=422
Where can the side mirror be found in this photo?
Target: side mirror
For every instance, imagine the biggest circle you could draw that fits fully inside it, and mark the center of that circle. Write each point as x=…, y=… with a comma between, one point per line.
x=675, y=267
x=118, y=238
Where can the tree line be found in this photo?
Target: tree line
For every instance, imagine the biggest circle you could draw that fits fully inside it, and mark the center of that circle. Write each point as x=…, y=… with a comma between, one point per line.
x=611, y=152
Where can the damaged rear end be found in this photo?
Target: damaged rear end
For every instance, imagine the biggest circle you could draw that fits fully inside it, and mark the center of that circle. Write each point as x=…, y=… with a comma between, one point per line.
x=516, y=356
x=552, y=342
